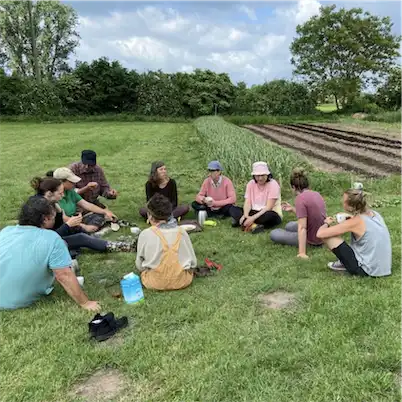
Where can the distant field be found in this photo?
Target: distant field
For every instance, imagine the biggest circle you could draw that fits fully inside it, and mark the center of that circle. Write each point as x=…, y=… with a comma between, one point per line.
x=327, y=107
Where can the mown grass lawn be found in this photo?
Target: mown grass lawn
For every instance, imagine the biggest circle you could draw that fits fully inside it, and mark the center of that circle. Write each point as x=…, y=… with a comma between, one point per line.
x=340, y=341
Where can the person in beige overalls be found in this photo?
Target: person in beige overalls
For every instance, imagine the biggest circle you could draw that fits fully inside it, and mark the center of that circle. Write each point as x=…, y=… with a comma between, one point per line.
x=165, y=254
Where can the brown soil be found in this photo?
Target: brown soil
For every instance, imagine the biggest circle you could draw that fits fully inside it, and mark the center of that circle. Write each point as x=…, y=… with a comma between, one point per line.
x=104, y=385
x=368, y=129
x=334, y=151
x=276, y=300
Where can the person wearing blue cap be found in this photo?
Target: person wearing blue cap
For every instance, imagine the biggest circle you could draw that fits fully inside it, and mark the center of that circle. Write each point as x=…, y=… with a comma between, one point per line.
x=217, y=194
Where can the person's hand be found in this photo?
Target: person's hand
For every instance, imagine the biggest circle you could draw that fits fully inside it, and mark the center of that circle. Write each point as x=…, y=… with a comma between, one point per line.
x=74, y=221
x=248, y=222
x=329, y=220
x=110, y=215
x=113, y=193
x=242, y=219
x=91, y=305
x=287, y=207
x=303, y=256
x=92, y=184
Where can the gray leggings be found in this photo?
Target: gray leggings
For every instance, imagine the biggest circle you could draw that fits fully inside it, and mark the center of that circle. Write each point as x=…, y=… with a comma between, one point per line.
x=287, y=236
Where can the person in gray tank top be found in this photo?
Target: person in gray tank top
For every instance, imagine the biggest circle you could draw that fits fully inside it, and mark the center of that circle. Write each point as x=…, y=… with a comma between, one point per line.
x=370, y=250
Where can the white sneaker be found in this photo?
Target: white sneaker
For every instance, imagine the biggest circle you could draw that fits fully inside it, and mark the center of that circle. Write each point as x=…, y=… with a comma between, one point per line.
x=336, y=266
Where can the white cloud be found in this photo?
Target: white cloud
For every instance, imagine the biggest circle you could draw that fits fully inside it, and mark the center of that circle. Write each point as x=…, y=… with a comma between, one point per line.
x=248, y=11
x=198, y=35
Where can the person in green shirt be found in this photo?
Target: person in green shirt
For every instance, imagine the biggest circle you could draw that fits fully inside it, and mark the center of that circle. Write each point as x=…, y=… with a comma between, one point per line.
x=72, y=201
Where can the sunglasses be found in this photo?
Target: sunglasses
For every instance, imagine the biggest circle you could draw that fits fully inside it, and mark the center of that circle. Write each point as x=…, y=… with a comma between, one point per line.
x=213, y=170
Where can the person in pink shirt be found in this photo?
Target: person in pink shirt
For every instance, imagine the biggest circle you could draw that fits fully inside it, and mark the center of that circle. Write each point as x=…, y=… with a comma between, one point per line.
x=217, y=194
x=310, y=211
x=262, y=205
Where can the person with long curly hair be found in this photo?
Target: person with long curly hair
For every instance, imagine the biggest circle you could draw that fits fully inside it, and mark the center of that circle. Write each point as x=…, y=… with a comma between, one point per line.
x=160, y=182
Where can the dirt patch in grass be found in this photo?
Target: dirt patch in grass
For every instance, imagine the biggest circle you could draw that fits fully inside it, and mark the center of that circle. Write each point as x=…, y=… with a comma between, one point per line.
x=276, y=300
x=398, y=379
x=103, y=385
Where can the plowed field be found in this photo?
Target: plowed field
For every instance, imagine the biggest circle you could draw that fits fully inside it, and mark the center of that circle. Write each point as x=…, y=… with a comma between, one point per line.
x=335, y=149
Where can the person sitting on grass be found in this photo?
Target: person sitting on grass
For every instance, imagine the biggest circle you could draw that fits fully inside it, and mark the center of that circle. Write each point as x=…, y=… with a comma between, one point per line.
x=71, y=201
x=31, y=257
x=160, y=182
x=93, y=183
x=262, y=205
x=69, y=227
x=370, y=250
x=310, y=211
x=165, y=254
x=217, y=194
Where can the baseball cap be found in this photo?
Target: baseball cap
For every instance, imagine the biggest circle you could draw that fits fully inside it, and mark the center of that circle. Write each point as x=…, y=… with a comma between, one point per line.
x=215, y=165
x=65, y=173
x=88, y=157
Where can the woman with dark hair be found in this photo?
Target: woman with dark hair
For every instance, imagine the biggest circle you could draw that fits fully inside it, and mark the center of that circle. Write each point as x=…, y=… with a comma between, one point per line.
x=67, y=227
x=165, y=253
x=310, y=211
x=370, y=249
x=262, y=205
x=160, y=182
x=31, y=257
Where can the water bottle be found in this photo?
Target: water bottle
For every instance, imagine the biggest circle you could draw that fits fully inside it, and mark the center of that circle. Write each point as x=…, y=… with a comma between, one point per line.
x=202, y=216
x=131, y=288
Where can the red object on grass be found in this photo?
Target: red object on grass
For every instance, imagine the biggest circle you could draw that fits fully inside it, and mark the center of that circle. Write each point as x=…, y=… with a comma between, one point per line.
x=213, y=265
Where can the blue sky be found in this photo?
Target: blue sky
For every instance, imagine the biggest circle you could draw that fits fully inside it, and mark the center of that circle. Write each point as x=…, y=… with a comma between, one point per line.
x=248, y=40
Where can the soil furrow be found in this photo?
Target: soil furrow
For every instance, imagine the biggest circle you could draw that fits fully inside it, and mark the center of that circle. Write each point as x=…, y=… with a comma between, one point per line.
x=354, y=155
x=320, y=153
x=353, y=136
x=377, y=148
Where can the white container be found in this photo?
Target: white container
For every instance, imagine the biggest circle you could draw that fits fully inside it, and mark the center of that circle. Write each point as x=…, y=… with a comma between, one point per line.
x=135, y=230
x=341, y=217
x=202, y=217
x=358, y=186
x=81, y=280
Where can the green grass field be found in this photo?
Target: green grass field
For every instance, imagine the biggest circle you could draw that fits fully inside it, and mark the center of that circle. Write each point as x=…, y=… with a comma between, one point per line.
x=327, y=107
x=340, y=341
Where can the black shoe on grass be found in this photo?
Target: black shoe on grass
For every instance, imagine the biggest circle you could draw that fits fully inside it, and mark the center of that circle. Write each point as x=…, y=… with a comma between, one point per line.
x=103, y=327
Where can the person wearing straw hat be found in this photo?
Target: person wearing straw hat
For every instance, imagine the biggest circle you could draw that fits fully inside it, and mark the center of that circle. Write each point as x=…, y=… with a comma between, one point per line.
x=217, y=194
x=262, y=205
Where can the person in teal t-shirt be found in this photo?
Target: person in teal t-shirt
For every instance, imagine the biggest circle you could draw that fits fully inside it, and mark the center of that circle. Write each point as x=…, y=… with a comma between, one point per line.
x=31, y=257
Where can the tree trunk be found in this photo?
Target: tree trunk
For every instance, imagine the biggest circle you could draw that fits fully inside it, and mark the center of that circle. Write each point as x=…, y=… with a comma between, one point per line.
x=33, y=43
x=336, y=101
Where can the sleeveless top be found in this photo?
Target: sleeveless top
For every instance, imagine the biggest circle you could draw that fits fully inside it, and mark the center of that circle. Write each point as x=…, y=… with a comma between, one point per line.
x=373, y=250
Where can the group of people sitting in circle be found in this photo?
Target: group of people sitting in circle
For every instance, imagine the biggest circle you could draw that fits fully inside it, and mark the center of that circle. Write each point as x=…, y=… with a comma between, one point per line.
x=65, y=214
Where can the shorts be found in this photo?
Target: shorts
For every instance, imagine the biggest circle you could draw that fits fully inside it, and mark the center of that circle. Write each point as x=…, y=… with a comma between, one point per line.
x=347, y=257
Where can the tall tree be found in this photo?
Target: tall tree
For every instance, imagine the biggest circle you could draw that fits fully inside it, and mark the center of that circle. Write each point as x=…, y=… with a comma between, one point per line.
x=389, y=94
x=38, y=37
x=341, y=51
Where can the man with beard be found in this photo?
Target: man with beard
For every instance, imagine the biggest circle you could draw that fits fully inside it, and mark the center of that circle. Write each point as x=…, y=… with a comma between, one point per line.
x=93, y=182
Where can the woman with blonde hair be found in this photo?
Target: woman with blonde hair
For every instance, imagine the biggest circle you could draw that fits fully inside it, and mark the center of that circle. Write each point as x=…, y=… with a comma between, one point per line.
x=310, y=212
x=370, y=250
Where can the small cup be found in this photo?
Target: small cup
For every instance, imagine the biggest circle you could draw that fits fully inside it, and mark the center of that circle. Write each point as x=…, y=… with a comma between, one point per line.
x=135, y=230
x=80, y=280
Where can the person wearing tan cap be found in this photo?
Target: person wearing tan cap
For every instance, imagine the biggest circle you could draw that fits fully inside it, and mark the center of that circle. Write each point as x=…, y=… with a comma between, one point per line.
x=72, y=201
